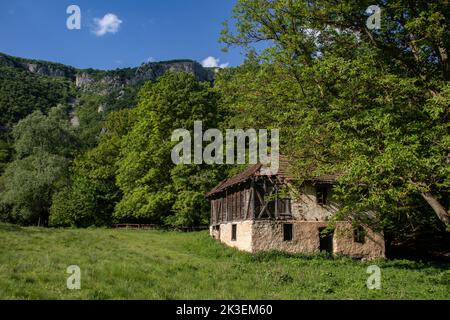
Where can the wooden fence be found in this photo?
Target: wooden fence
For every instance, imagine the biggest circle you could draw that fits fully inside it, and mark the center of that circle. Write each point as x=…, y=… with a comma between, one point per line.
x=136, y=226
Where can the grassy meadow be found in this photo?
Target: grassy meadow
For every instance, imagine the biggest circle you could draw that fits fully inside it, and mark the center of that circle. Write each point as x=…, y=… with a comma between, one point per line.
x=129, y=264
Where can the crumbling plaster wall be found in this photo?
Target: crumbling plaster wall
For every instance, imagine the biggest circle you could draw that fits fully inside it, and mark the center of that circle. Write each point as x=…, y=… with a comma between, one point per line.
x=305, y=207
x=243, y=235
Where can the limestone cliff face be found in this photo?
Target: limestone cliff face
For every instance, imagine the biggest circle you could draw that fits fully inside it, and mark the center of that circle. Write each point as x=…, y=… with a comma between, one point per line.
x=101, y=81
x=113, y=85
x=42, y=68
x=46, y=70
x=151, y=71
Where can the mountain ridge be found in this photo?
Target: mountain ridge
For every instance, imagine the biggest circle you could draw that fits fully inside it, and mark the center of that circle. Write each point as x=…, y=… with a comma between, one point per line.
x=103, y=81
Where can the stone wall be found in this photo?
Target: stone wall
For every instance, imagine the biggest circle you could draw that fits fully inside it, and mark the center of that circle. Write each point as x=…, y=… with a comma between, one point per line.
x=268, y=235
x=343, y=243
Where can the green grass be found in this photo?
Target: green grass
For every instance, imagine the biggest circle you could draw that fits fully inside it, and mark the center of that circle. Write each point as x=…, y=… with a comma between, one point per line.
x=120, y=264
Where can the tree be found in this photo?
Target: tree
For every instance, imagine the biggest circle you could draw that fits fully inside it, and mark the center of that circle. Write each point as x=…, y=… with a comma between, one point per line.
x=27, y=187
x=5, y=154
x=43, y=145
x=370, y=104
x=22, y=93
x=154, y=188
x=50, y=133
x=190, y=183
x=89, y=197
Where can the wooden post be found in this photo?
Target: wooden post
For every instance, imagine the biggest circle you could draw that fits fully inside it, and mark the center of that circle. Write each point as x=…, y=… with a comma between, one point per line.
x=253, y=198
x=276, y=201
x=226, y=205
x=239, y=201
x=211, y=220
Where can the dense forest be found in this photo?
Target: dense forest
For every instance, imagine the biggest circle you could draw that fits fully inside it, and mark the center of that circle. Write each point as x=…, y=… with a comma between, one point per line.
x=371, y=105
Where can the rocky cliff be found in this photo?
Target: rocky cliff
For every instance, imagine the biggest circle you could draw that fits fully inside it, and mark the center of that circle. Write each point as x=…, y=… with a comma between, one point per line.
x=42, y=68
x=91, y=80
x=100, y=81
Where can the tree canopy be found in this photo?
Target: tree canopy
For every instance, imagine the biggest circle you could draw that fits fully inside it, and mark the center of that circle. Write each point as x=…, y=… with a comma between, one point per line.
x=372, y=105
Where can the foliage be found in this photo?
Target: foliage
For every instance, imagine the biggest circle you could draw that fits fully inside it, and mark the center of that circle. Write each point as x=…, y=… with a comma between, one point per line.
x=91, y=194
x=150, y=182
x=372, y=105
x=22, y=93
x=43, y=146
x=46, y=133
x=5, y=154
x=27, y=185
x=90, y=119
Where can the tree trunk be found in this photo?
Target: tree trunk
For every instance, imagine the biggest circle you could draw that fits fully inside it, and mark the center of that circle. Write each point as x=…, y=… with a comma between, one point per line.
x=437, y=207
x=443, y=55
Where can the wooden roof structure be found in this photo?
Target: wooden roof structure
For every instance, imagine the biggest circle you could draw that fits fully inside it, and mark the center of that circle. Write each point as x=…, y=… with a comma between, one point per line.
x=256, y=170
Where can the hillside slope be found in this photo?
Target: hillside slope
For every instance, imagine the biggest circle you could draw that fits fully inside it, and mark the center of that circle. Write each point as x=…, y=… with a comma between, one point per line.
x=27, y=85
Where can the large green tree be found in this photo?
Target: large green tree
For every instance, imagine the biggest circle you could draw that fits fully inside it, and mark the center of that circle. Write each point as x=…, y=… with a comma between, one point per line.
x=370, y=104
x=43, y=145
x=155, y=189
x=89, y=197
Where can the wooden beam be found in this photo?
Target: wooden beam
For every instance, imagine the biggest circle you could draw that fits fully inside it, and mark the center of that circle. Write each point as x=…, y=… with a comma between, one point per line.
x=276, y=203
x=253, y=199
x=263, y=210
x=226, y=205
x=246, y=202
x=212, y=220
x=240, y=205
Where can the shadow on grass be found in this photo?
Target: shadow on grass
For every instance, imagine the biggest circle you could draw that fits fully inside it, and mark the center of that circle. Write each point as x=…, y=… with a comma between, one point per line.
x=414, y=265
x=327, y=257
x=11, y=228
x=275, y=255
x=6, y=227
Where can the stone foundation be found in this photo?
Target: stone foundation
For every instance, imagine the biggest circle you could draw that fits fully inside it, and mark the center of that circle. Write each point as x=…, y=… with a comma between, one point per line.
x=267, y=235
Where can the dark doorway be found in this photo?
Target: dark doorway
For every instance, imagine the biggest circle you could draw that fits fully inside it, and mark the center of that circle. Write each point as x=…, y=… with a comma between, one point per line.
x=326, y=241
x=287, y=231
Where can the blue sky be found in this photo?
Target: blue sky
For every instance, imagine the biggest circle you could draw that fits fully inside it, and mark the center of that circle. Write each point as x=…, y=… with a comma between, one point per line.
x=144, y=29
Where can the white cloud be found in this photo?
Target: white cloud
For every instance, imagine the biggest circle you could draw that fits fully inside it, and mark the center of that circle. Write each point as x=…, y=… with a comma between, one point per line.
x=212, y=62
x=110, y=23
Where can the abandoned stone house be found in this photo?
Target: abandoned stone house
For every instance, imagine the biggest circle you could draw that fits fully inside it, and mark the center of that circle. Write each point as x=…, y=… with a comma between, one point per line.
x=252, y=212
